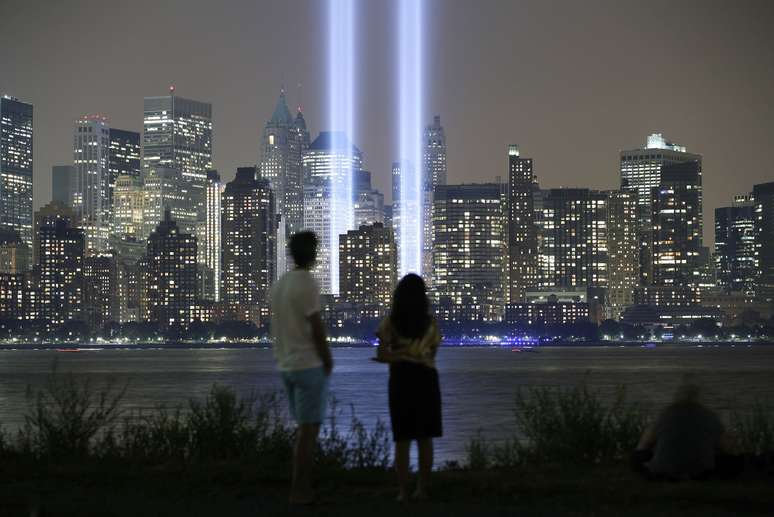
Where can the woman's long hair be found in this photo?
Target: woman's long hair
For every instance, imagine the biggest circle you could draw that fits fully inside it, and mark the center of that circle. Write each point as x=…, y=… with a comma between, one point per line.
x=410, y=312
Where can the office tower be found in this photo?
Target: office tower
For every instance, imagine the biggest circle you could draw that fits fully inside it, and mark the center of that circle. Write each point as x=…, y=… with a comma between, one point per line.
x=735, y=246
x=210, y=244
x=16, y=167
x=91, y=194
x=368, y=202
x=63, y=184
x=13, y=287
x=100, y=291
x=170, y=274
x=763, y=195
x=572, y=226
x=470, y=251
x=128, y=208
x=676, y=238
x=15, y=255
x=388, y=217
x=331, y=162
x=177, y=134
x=249, y=244
x=623, y=250
x=284, y=142
x=60, y=264
x=522, y=232
x=48, y=215
x=166, y=188
x=124, y=156
x=434, y=156
x=317, y=219
x=368, y=266
x=129, y=254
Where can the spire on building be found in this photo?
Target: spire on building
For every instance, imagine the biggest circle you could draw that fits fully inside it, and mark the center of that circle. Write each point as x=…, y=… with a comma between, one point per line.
x=281, y=113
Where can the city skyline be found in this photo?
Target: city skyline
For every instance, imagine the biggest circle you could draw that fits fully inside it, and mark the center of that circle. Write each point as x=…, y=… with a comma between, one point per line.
x=545, y=99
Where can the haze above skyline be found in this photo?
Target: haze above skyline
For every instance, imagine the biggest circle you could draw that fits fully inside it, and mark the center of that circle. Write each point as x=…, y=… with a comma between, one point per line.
x=571, y=83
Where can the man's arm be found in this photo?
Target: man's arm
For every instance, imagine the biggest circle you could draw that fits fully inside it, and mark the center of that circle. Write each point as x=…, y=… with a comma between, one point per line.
x=321, y=341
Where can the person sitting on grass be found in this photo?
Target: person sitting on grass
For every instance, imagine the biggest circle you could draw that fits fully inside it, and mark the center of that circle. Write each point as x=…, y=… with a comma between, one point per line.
x=687, y=441
x=408, y=341
x=303, y=357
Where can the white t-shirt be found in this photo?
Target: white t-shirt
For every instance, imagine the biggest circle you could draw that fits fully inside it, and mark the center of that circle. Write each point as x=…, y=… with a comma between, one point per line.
x=294, y=298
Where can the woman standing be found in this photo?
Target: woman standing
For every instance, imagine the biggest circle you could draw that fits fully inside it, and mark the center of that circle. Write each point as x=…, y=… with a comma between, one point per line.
x=408, y=341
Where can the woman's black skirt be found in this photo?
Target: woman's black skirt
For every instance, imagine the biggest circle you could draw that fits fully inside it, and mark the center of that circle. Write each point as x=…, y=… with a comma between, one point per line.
x=415, y=402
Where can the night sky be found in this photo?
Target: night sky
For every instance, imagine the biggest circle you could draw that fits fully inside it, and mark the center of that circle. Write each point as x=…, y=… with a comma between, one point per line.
x=571, y=82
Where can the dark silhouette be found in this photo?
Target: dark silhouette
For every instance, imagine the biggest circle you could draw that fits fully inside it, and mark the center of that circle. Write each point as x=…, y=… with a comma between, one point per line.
x=687, y=441
x=408, y=341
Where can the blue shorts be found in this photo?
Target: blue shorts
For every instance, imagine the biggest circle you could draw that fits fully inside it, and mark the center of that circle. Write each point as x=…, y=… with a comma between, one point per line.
x=307, y=394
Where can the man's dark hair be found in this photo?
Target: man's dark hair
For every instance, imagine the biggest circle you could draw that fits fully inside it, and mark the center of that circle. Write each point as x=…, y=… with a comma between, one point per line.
x=303, y=248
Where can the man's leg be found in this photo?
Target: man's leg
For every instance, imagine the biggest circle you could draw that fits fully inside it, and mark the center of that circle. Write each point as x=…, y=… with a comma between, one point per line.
x=303, y=463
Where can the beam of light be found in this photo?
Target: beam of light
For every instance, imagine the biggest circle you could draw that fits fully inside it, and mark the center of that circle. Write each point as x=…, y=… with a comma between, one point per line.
x=341, y=94
x=411, y=164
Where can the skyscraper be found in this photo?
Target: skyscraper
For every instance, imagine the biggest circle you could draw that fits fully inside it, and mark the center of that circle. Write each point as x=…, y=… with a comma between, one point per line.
x=170, y=274
x=47, y=215
x=166, y=188
x=210, y=245
x=368, y=266
x=16, y=167
x=573, y=248
x=128, y=208
x=434, y=157
x=522, y=232
x=763, y=194
x=330, y=162
x=123, y=156
x=91, y=194
x=177, y=134
x=249, y=244
x=63, y=182
x=61, y=271
x=100, y=290
x=735, y=246
x=470, y=251
x=623, y=250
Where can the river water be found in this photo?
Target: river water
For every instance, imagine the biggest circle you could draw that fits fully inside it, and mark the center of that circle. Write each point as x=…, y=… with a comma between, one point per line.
x=478, y=384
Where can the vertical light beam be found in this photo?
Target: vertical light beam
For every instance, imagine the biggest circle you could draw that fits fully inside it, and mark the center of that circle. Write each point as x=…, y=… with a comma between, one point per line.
x=411, y=163
x=341, y=93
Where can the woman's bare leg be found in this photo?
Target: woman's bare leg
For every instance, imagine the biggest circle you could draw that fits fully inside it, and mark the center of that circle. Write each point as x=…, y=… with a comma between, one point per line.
x=425, y=466
x=402, y=467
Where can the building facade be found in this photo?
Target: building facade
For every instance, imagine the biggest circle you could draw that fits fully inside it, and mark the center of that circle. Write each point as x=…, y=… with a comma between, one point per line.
x=60, y=272
x=63, y=184
x=763, y=194
x=91, y=192
x=522, y=230
x=211, y=242
x=434, y=173
x=368, y=266
x=735, y=246
x=16, y=167
x=623, y=250
x=124, y=156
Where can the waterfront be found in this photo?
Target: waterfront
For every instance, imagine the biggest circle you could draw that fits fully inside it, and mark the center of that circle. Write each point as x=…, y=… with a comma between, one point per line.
x=478, y=383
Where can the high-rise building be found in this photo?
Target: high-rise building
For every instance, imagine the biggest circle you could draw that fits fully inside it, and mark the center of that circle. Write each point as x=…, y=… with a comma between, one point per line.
x=210, y=244
x=435, y=171
x=63, y=184
x=330, y=163
x=170, y=275
x=177, y=134
x=284, y=142
x=124, y=156
x=522, y=231
x=61, y=271
x=15, y=256
x=368, y=202
x=676, y=239
x=129, y=256
x=368, y=266
x=100, y=290
x=16, y=167
x=249, y=229
x=91, y=194
x=735, y=246
x=48, y=215
x=623, y=250
x=128, y=207
x=166, y=188
x=470, y=251
x=572, y=226
x=763, y=194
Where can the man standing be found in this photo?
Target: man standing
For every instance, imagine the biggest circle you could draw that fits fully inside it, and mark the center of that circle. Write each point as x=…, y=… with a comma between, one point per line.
x=303, y=357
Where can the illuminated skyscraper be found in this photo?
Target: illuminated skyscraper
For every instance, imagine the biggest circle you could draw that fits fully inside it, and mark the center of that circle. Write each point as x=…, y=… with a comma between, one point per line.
x=177, y=134
x=470, y=251
x=434, y=156
x=572, y=227
x=331, y=163
x=763, y=195
x=249, y=244
x=170, y=275
x=210, y=244
x=368, y=266
x=16, y=167
x=91, y=194
x=128, y=208
x=623, y=250
x=735, y=246
x=123, y=156
x=368, y=202
x=522, y=232
x=61, y=271
x=100, y=290
x=166, y=188
x=47, y=215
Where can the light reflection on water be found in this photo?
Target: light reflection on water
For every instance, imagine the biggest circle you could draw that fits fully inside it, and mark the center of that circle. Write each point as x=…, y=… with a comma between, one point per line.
x=478, y=384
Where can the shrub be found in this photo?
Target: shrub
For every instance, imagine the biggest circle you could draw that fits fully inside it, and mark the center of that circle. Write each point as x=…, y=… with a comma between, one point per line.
x=755, y=430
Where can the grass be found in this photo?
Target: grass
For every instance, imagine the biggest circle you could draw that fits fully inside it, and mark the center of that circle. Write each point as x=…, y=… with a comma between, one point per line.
x=81, y=454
